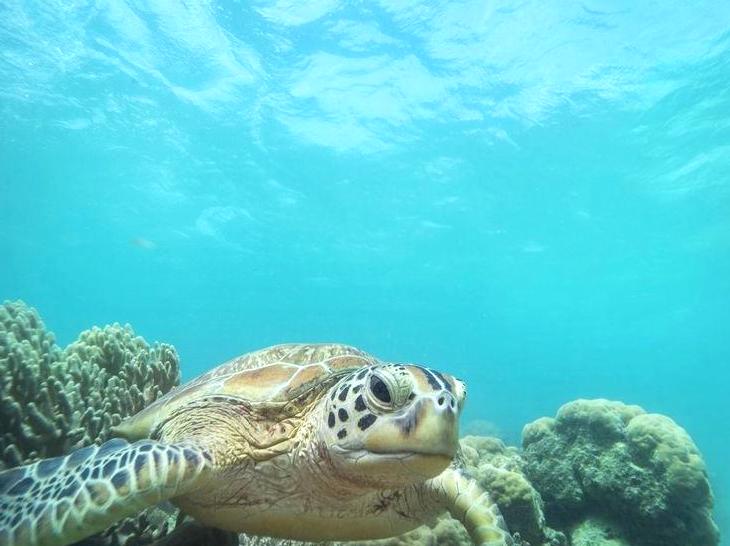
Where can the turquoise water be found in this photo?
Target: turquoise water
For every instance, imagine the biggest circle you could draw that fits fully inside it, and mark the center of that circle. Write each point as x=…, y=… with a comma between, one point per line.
x=534, y=196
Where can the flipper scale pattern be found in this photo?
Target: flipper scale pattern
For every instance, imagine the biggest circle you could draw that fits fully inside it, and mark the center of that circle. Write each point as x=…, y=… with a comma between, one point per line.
x=58, y=501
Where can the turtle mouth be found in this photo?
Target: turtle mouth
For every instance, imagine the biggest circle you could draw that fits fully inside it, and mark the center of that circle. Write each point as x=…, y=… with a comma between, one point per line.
x=437, y=451
x=395, y=454
x=401, y=465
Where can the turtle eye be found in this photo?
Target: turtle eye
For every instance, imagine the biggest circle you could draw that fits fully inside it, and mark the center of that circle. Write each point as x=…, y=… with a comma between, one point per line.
x=388, y=389
x=380, y=390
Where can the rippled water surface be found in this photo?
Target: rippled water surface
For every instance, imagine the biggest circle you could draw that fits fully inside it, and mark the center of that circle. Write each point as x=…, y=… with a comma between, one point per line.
x=532, y=195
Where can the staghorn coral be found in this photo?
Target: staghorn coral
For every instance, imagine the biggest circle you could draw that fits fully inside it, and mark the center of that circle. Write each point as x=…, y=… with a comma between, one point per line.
x=640, y=471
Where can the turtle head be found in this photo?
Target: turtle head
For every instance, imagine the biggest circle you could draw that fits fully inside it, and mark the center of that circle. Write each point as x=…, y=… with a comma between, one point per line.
x=392, y=425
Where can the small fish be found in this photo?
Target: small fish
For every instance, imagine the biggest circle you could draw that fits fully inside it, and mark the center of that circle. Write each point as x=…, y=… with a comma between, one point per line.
x=143, y=243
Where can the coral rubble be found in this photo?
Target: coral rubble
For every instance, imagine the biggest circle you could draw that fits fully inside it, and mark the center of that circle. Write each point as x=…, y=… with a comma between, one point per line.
x=640, y=471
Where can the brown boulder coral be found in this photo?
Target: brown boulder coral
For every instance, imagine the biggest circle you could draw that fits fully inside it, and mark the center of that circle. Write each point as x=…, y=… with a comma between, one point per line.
x=641, y=471
x=500, y=470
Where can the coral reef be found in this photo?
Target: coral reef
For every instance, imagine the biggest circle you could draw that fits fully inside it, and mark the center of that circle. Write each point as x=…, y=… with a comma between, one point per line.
x=53, y=401
x=500, y=470
x=27, y=354
x=640, y=471
x=117, y=375
x=596, y=532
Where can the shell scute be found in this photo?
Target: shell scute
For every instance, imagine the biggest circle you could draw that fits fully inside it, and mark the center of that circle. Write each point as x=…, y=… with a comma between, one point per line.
x=305, y=378
x=259, y=384
x=282, y=376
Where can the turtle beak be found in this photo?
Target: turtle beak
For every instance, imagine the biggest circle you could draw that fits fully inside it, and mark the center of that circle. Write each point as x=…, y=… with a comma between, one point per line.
x=430, y=427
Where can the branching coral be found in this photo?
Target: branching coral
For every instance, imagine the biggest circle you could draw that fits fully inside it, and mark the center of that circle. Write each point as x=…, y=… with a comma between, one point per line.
x=116, y=374
x=28, y=391
x=52, y=401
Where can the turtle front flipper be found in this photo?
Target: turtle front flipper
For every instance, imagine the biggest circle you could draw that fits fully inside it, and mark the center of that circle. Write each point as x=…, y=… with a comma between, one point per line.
x=470, y=504
x=58, y=501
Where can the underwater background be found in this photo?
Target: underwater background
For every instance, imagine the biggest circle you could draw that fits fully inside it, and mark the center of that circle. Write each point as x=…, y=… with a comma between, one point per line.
x=534, y=196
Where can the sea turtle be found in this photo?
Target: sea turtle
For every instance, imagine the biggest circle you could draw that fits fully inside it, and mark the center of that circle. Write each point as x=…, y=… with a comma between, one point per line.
x=313, y=442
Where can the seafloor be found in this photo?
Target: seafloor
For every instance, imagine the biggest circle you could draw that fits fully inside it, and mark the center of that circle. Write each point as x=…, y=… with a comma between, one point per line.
x=599, y=473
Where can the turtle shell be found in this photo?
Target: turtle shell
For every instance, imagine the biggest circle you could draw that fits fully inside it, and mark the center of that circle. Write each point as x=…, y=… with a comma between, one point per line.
x=266, y=379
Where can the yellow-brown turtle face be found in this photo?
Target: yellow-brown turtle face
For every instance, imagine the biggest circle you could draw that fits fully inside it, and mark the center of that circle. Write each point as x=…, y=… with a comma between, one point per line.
x=392, y=425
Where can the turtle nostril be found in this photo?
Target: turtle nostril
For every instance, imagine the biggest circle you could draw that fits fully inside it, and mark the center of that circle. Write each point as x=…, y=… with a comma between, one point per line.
x=441, y=401
x=452, y=403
